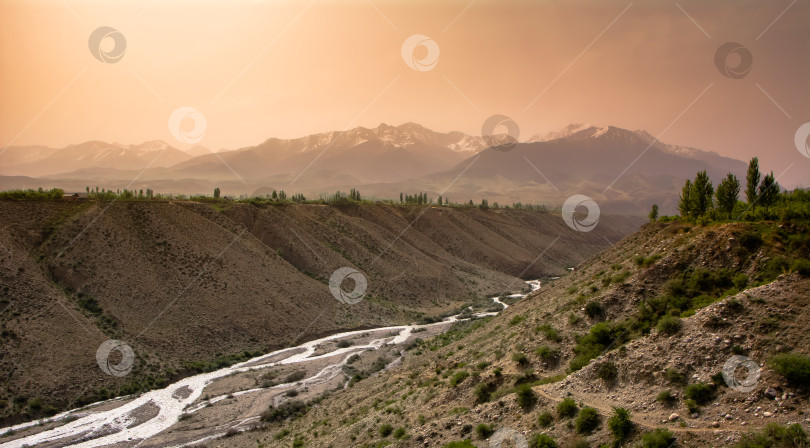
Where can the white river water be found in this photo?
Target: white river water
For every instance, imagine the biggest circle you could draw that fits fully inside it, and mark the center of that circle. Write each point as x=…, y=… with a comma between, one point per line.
x=122, y=424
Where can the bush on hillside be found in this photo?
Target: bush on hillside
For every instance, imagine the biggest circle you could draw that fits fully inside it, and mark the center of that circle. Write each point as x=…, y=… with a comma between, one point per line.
x=286, y=410
x=483, y=431
x=587, y=420
x=702, y=393
x=794, y=367
x=607, y=371
x=567, y=408
x=462, y=444
x=660, y=438
x=669, y=324
x=620, y=425
x=775, y=436
x=526, y=398
x=594, y=310
x=543, y=441
x=545, y=419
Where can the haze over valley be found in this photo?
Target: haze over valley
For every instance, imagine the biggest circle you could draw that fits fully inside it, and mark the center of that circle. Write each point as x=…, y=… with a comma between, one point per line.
x=405, y=224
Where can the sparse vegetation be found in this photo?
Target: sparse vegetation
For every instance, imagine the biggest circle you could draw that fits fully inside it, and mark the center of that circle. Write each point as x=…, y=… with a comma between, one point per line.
x=794, y=367
x=775, y=436
x=666, y=398
x=567, y=408
x=660, y=438
x=607, y=371
x=458, y=378
x=483, y=431
x=587, y=420
x=669, y=324
x=543, y=441
x=545, y=419
x=285, y=411
x=526, y=398
x=702, y=393
x=620, y=425
x=385, y=430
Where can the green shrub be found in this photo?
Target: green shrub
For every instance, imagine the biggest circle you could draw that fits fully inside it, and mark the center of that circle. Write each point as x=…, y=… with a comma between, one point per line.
x=594, y=310
x=702, y=393
x=483, y=431
x=669, y=324
x=286, y=410
x=545, y=419
x=462, y=444
x=520, y=359
x=295, y=377
x=482, y=391
x=567, y=408
x=548, y=354
x=549, y=332
x=674, y=376
x=517, y=319
x=691, y=405
x=458, y=378
x=740, y=281
x=386, y=430
x=526, y=398
x=607, y=371
x=801, y=266
x=660, y=438
x=599, y=338
x=775, y=436
x=620, y=425
x=666, y=398
x=642, y=261
x=400, y=433
x=587, y=420
x=543, y=441
x=794, y=367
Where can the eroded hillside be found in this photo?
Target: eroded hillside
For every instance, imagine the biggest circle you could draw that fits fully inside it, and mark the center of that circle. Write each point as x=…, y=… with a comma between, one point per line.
x=646, y=326
x=192, y=287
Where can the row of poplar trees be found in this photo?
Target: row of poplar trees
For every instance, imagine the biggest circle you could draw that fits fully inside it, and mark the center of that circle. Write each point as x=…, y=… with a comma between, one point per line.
x=698, y=196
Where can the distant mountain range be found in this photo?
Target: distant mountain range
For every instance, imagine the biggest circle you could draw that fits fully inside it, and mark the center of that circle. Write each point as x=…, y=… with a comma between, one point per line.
x=387, y=160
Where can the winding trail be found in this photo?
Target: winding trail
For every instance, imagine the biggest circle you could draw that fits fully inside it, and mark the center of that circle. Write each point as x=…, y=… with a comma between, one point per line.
x=140, y=418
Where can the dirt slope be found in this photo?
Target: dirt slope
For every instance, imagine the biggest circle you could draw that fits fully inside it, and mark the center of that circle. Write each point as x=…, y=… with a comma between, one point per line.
x=436, y=395
x=190, y=286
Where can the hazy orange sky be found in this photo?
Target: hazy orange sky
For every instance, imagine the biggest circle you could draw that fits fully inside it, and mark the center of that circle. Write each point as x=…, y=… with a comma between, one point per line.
x=259, y=69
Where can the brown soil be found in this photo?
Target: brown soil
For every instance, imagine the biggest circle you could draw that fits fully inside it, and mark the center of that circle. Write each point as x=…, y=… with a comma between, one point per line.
x=760, y=321
x=183, y=282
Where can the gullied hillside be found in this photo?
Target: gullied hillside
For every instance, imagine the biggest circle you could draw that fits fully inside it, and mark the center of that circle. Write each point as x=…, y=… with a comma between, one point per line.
x=646, y=326
x=193, y=287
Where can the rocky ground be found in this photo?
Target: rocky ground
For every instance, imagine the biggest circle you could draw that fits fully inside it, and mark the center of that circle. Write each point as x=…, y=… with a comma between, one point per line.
x=194, y=286
x=449, y=385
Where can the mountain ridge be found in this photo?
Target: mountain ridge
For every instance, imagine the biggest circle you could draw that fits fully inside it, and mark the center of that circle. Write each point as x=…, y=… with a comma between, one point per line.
x=624, y=170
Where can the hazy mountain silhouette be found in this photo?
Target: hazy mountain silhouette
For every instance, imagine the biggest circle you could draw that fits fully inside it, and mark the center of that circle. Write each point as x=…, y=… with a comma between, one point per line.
x=387, y=160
